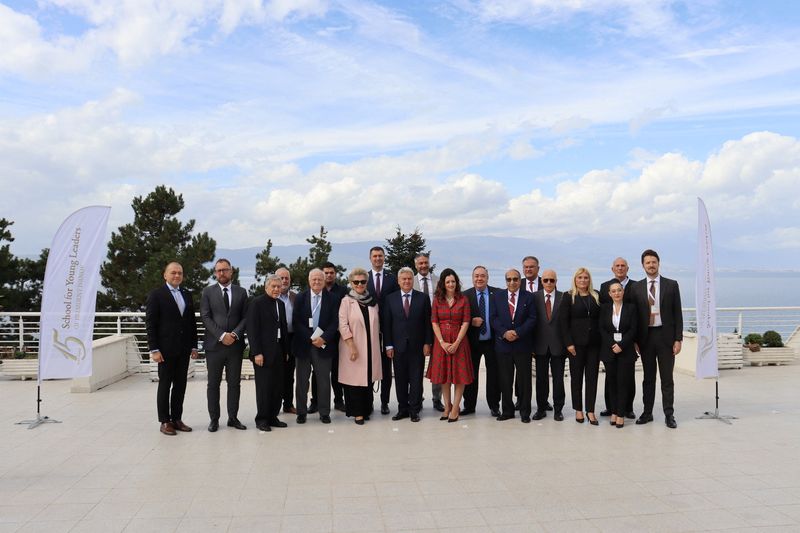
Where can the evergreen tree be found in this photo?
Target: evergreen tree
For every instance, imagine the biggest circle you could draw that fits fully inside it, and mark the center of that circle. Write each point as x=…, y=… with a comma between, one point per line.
x=402, y=249
x=138, y=252
x=265, y=264
x=318, y=255
x=21, y=279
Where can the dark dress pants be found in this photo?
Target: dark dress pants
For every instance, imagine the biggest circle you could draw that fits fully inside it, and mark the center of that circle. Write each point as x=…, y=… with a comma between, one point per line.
x=172, y=373
x=269, y=388
x=230, y=359
x=338, y=391
x=485, y=348
x=408, y=381
x=550, y=364
x=619, y=380
x=321, y=365
x=287, y=385
x=631, y=389
x=657, y=352
x=507, y=365
x=386, y=381
x=585, y=364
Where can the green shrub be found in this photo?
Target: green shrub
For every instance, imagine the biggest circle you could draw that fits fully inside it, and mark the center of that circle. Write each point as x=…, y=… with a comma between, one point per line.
x=772, y=339
x=754, y=338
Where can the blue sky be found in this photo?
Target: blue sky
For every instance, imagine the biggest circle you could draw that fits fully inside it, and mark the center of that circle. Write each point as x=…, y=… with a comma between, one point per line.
x=566, y=118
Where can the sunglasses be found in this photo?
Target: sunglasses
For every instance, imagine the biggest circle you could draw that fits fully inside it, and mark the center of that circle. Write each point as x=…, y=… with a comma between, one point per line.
x=548, y=280
x=512, y=279
x=359, y=282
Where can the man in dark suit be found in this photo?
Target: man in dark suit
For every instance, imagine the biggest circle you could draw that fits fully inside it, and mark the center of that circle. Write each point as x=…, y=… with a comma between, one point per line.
x=223, y=308
x=660, y=322
x=340, y=291
x=548, y=348
x=513, y=318
x=408, y=336
x=287, y=296
x=481, y=343
x=425, y=281
x=620, y=270
x=530, y=269
x=380, y=284
x=315, y=322
x=267, y=331
x=172, y=339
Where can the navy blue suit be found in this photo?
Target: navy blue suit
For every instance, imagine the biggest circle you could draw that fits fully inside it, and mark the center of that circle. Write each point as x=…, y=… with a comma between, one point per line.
x=388, y=286
x=407, y=336
x=516, y=355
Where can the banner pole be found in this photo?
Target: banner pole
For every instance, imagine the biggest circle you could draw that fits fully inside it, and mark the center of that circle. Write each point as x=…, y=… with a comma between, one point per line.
x=715, y=415
x=39, y=420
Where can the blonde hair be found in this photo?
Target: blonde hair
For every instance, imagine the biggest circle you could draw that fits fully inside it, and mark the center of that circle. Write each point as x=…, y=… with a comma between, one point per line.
x=358, y=271
x=573, y=291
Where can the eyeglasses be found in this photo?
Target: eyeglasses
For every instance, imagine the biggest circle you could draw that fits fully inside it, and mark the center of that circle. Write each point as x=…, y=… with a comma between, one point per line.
x=221, y=270
x=359, y=282
x=512, y=279
x=548, y=280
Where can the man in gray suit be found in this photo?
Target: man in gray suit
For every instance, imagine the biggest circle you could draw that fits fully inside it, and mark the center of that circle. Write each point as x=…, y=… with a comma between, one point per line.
x=425, y=282
x=548, y=348
x=223, y=308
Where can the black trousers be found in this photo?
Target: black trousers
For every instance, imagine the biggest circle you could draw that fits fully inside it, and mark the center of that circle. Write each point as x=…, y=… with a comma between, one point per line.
x=230, y=359
x=620, y=370
x=585, y=364
x=631, y=390
x=287, y=385
x=386, y=380
x=485, y=349
x=550, y=364
x=172, y=373
x=408, y=381
x=338, y=391
x=269, y=388
x=507, y=364
x=657, y=352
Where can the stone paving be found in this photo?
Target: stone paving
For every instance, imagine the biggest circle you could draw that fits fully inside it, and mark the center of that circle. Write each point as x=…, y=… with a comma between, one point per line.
x=107, y=468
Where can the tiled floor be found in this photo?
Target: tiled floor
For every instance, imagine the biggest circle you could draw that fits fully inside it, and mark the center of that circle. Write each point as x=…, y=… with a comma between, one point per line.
x=106, y=467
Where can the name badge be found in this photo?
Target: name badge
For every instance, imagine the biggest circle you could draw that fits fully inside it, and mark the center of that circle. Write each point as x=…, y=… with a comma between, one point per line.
x=311, y=322
x=617, y=337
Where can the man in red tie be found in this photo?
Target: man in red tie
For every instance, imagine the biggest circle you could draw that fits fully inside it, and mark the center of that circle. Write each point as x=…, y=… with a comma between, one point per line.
x=548, y=348
x=512, y=317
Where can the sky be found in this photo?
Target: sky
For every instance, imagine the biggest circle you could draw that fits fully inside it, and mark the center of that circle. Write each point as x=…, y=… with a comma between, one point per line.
x=565, y=120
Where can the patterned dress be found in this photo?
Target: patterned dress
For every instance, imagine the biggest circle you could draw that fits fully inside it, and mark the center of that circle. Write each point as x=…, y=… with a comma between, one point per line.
x=444, y=367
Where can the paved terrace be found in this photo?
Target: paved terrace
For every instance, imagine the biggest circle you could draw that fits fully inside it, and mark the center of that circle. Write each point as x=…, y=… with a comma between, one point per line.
x=106, y=468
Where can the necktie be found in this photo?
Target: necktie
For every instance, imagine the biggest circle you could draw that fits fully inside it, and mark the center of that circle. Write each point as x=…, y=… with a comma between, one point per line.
x=511, y=305
x=378, y=285
x=482, y=310
x=176, y=293
x=548, y=308
x=425, y=288
x=225, y=297
x=315, y=310
x=530, y=286
x=407, y=304
x=651, y=299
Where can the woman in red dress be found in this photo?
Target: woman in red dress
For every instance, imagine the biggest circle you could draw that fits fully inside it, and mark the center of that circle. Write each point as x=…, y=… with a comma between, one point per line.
x=451, y=363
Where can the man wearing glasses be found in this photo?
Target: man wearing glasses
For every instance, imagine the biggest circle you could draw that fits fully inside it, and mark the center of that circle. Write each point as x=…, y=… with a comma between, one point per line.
x=548, y=347
x=223, y=308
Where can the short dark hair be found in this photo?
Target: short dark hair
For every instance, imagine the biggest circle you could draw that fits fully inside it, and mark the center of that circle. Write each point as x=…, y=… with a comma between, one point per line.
x=530, y=257
x=650, y=252
x=328, y=264
x=222, y=260
x=376, y=249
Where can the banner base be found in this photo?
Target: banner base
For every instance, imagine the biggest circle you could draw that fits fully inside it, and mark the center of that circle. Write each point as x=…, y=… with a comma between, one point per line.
x=37, y=422
x=715, y=415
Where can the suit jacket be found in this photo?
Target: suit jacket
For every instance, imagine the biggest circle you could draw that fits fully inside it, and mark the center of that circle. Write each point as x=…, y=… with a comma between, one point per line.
x=546, y=333
x=626, y=298
x=264, y=322
x=217, y=320
x=578, y=325
x=388, y=285
x=407, y=335
x=339, y=291
x=627, y=327
x=434, y=280
x=523, y=322
x=524, y=285
x=328, y=323
x=473, y=333
x=670, y=308
x=172, y=333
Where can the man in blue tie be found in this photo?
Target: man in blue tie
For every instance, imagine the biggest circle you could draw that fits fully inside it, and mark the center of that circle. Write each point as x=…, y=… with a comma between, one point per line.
x=481, y=342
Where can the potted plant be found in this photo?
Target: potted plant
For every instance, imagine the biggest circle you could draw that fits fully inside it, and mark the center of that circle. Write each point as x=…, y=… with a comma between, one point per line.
x=754, y=341
x=772, y=339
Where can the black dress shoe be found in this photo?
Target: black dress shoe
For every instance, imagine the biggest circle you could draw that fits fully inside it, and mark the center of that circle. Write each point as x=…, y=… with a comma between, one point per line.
x=234, y=423
x=439, y=406
x=415, y=417
x=360, y=421
x=263, y=427
x=670, y=422
x=558, y=417
x=505, y=417
x=538, y=415
x=213, y=426
x=312, y=408
x=548, y=407
x=526, y=420
x=325, y=419
x=468, y=412
x=385, y=409
x=630, y=415
x=400, y=416
x=339, y=406
x=605, y=412
x=180, y=426
x=495, y=412
x=277, y=424
x=301, y=419
x=644, y=419
x=580, y=420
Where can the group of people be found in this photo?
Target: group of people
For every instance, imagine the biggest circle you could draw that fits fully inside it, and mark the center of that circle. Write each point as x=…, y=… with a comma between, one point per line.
x=383, y=328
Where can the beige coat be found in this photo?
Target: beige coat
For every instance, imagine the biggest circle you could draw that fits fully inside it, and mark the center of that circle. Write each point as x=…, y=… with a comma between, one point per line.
x=351, y=325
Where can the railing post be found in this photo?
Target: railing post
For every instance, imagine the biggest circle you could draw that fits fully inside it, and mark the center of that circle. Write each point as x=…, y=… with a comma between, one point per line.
x=741, y=331
x=119, y=325
x=21, y=334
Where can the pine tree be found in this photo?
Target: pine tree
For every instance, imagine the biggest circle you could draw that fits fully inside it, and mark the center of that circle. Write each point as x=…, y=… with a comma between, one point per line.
x=21, y=279
x=265, y=264
x=402, y=249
